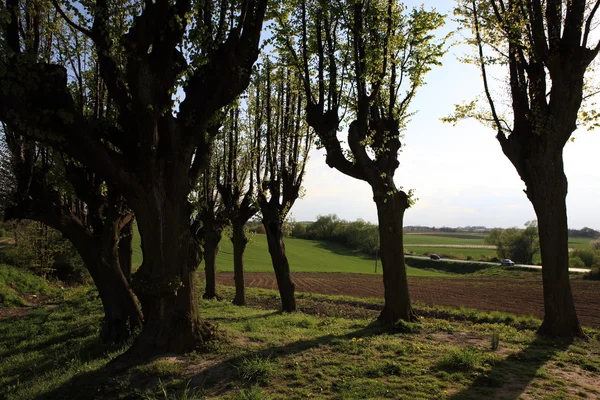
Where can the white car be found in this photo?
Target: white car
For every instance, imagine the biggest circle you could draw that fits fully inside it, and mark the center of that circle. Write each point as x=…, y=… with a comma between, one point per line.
x=508, y=262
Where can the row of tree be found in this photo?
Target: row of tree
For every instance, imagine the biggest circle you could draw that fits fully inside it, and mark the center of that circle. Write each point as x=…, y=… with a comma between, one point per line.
x=97, y=133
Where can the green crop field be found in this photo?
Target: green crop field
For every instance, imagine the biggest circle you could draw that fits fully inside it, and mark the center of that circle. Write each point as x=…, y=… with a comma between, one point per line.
x=447, y=252
x=315, y=256
x=449, y=238
x=303, y=255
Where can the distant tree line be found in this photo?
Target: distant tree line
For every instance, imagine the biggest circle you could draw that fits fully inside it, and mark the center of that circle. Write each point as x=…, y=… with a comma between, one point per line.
x=584, y=232
x=358, y=235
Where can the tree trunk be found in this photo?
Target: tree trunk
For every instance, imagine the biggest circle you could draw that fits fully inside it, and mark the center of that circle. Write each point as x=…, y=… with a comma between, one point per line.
x=390, y=213
x=164, y=283
x=211, y=248
x=239, y=241
x=121, y=312
x=547, y=190
x=126, y=250
x=280, y=265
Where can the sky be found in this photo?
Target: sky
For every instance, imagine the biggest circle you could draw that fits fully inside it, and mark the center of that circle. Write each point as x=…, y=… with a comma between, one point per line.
x=459, y=173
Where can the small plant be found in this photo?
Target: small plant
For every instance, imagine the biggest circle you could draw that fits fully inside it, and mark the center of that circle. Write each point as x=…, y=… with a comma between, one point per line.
x=255, y=369
x=252, y=393
x=495, y=340
x=465, y=358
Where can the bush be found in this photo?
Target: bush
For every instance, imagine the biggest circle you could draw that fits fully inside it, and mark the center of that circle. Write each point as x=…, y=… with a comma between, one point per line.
x=593, y=275
x=576, y=262
x=39, y=249
x=588, y=256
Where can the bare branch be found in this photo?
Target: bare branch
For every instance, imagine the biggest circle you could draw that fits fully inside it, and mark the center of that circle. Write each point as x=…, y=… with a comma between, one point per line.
x=68, y=20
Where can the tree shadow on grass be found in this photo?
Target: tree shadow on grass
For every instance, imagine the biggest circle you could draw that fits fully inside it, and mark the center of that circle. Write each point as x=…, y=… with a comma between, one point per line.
x=508, y=379
x=105, y=382
x=342, y=250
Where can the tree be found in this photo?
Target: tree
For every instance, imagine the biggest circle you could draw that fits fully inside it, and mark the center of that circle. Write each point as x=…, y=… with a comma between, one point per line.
x=236, y=187
x=154, y=154
x=51, y=188
x=72, y=201
x=546, y=48
x=284, y=139
x=212, y=217
x=520, y=245
x=369, y=57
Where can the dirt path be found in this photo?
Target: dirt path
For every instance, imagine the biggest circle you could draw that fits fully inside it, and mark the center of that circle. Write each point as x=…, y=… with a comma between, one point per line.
x=516, y=296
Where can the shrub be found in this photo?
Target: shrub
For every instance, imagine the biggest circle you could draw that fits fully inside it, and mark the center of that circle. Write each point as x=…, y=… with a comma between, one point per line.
x=588, y=256
x=593, y=275
x=575, y=262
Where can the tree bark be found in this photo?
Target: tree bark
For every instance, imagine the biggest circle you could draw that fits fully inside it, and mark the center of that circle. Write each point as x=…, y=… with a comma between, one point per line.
x=121, y=312
x=280, y=265
x=390, y=213
x=547, y=191
x=164, y=283
x=239, y=241
x=211, y=248
x=98, y=252
x=126, y=250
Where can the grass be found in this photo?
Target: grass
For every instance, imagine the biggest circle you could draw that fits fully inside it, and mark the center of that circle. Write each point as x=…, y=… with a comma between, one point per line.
x=16, y=283
x=303, y=255
x=54, y=353
x=454, y=253
x=463, y=240
x=473, y=269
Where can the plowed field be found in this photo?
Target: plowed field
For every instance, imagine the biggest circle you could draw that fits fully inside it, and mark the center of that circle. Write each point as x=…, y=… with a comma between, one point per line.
x=516, y=296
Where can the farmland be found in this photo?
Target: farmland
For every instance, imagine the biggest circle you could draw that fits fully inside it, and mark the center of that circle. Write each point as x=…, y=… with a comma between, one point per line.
x=304, y=256
x=316, y=256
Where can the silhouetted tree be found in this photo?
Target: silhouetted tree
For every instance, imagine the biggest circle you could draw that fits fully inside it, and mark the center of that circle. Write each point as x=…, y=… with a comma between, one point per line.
x=368, y=57
x=546, y=47
x=153, y=154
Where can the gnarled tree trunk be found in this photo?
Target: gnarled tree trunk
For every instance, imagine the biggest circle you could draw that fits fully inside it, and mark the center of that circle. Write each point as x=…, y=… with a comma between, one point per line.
x=211, y=248
x=280, y=265
x=390, y=213
x=239, y=241
x=165, y=282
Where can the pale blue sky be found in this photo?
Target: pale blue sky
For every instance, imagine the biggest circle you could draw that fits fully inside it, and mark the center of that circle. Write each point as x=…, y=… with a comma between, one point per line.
x=460, y=174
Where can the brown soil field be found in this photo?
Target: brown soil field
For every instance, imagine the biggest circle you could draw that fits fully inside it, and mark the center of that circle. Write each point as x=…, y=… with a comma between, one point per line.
x=516, y=296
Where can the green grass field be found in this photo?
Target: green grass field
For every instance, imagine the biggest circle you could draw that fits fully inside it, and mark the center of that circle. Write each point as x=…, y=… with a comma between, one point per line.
x=449, y=238
x=315, y=256
x=303, y=255
x=446, y=252
x=338, y=353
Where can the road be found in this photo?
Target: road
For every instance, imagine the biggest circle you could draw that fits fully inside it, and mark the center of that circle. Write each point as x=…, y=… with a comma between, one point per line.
x=573, y=270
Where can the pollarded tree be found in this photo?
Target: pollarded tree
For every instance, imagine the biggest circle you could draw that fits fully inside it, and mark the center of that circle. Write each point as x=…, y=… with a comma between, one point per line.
x=154, y=154
x=369, y=57
x=236, y=187
x=282, y=144
x=546, y=48
x=211, y=216
x=63, y=195
x=53, y=189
